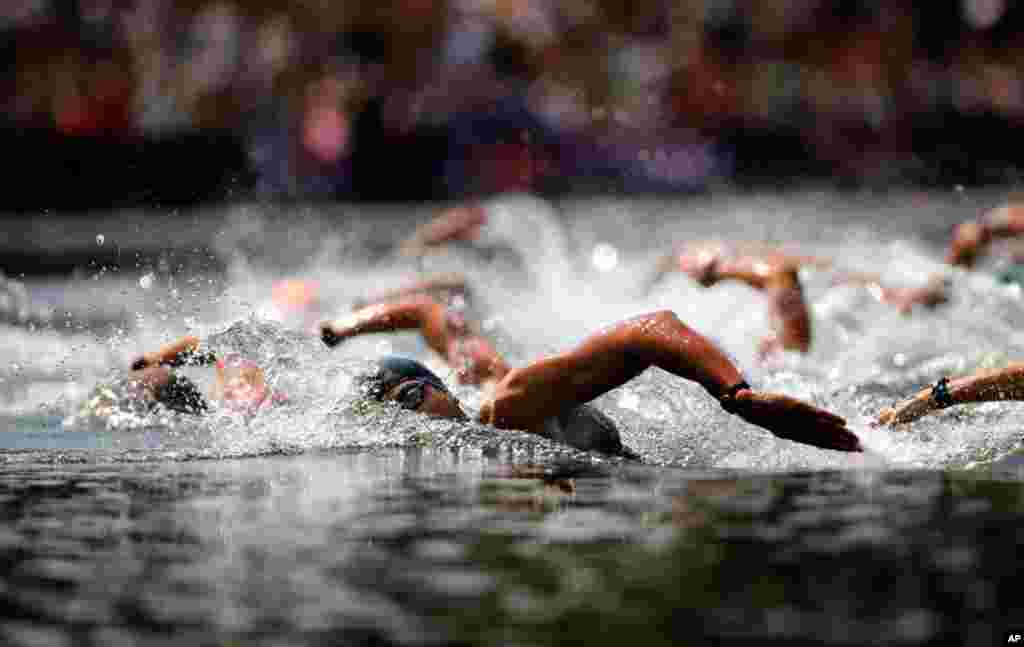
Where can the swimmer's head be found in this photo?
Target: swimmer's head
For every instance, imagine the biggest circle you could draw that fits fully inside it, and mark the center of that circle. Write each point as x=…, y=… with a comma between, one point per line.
x=241, y=383
x=412, y=385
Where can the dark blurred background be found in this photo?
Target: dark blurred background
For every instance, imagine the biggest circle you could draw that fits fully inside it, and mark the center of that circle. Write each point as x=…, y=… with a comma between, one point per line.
x=115, y=103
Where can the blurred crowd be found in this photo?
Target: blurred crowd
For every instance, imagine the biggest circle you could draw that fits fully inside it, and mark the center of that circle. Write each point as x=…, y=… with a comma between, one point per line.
x=464, y=97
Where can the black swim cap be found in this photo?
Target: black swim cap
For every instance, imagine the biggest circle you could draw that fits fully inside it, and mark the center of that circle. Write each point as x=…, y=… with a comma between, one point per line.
x=393, y=369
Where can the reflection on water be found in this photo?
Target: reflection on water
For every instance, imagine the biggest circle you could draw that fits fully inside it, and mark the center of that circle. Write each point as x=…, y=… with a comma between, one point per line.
x=321, y=522
x=429, y=547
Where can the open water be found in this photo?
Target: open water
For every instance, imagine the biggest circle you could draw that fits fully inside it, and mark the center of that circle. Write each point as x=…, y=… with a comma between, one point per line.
x=324, y=522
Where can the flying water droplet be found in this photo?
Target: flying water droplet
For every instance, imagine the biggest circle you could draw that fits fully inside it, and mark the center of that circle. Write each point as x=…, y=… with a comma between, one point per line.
x=604, y=257
x=100, y=239
x=146, y=282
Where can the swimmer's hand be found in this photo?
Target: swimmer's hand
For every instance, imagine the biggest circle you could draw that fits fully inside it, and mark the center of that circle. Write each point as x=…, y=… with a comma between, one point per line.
x=701, y=267
x=796, y=420
x=329, y=335
x=909, y=410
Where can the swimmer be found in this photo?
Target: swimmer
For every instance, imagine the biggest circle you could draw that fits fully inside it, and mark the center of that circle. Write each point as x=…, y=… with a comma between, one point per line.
x=239, y=385
x=446, y=330
x=549, y=397
x=761, y=267
x=526, y=224
x=972, y=239
x=775, y=272
x=987, y=385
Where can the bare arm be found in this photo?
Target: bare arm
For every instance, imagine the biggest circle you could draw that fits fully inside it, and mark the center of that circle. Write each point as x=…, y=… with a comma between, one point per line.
x=971, y=239
x=788, y=312
x=177, y=353
x=935, y=292
x=526, y=397
x=458, y=223
x=983, y=386
x=709, y=262
x=775, y=274
x=415, y=313
x=446, y=332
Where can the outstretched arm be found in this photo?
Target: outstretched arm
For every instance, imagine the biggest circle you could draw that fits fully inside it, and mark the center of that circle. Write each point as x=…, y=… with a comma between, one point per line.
x=414, y=313
x=178, y=353
x=526, y=397
x=972, y=238
x=934, y=293
x=446, y=332
x=457, y=223
x=983, y=386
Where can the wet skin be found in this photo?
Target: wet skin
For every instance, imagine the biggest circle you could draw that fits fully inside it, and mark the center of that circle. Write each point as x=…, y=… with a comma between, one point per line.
x=525, y=398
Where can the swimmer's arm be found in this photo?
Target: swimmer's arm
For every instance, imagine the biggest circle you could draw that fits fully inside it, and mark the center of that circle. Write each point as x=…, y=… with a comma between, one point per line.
x=972, y=238
x=528, y=396
x=708, y=267
x=416, y=313
x=935, y=292
x=473, y=357
x=788, y=312
x=904, y=299
x=790, y=320
x=983, y=386
x=178, y=353
x=459, y=223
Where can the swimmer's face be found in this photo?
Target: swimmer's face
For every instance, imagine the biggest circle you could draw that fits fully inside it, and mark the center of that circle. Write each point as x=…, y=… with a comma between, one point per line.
x=420, y=395
x=240, y=383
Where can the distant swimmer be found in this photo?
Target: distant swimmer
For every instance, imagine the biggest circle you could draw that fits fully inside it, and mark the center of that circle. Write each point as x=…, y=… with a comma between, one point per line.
x=549, y=397
x=526, y=224
x=775, y=271
x=972, y=239
x=240, y=384
x=987, y=385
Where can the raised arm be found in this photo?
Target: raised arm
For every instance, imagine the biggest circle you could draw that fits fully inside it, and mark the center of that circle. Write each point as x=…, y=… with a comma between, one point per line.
x=971, y=239
x=983, y=386
x=457, y=223
x=414, y=313
x=178, y=353
x=528, y=396
x=709, y=262
x=445, y=332
x=772, y=272
x=933, y=293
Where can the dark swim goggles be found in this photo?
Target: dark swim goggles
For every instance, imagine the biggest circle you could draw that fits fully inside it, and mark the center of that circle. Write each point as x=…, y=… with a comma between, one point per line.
x=408, y=375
